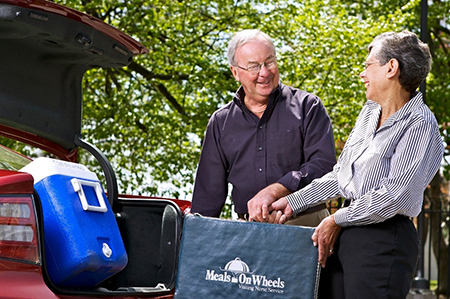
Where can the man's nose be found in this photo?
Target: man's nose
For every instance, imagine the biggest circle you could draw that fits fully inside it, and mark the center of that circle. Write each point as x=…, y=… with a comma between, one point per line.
x=263, y=69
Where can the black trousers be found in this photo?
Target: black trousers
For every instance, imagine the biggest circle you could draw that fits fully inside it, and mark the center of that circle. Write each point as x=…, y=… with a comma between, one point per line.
x=373, y=261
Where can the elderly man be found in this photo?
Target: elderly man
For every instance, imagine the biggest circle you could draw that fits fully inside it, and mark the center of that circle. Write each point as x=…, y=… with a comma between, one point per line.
x=270, y=141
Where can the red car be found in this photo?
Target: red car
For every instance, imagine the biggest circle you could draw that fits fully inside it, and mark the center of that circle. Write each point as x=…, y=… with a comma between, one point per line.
x=46, y=48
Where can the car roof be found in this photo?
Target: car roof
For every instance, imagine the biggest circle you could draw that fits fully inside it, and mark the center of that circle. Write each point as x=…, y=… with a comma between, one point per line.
x=46, y=48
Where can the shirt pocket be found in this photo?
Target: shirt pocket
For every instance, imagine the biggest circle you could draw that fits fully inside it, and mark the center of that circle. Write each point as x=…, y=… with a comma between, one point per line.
x=351, y=148
x=382, y=148
x=285, y=148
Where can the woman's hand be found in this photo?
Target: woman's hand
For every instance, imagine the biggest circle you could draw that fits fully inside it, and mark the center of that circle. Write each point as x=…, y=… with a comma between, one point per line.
x=325, y=236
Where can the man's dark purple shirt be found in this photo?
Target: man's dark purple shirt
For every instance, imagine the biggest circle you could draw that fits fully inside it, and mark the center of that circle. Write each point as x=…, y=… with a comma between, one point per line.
x=291, y=144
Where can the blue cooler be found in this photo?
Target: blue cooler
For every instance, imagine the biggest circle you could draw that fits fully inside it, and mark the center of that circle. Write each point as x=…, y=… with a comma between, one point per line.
x=83, y=246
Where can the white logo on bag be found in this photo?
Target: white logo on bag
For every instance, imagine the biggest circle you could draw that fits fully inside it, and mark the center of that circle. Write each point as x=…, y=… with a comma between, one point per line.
x=237, y=271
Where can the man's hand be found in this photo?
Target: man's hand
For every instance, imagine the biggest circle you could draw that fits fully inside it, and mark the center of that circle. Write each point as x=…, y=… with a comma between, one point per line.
x=259, y=206
x=282, y=211
x=325, y=236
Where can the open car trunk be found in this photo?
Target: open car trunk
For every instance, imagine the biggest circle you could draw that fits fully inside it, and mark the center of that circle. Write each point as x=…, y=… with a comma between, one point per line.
x=151, y=232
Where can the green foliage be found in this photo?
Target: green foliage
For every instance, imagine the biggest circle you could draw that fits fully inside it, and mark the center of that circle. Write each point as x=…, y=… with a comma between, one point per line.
x=438, y=83
x=150, y=124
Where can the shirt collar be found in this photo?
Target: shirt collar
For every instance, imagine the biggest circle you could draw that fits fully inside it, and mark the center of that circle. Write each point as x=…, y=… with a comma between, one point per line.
x=415, y=101
x=273, y=97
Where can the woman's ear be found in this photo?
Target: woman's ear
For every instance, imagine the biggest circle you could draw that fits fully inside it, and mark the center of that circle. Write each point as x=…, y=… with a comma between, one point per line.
x=393, y=68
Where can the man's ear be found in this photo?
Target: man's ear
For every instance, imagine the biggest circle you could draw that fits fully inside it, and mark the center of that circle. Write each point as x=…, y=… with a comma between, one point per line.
x=393, y=68
x=234, y=70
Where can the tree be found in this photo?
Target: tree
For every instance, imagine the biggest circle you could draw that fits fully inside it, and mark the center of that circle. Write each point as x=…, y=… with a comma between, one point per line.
x=150, y=117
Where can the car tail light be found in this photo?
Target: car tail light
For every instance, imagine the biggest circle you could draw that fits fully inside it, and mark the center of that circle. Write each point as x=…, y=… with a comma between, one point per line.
x=18, y=230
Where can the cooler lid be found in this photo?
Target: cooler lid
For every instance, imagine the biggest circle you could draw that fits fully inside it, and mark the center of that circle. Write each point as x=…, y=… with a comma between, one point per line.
x=44, y=167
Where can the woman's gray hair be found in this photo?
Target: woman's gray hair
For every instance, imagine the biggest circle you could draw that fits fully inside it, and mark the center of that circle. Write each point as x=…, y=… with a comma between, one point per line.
x=243, y=37
x=413, y=56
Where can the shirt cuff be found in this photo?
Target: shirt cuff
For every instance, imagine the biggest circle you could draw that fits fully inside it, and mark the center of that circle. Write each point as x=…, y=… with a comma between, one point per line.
x=296, y=202
x=340, y=217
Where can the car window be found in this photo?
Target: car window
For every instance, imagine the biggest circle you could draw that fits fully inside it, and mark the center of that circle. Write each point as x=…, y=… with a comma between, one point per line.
x=10, y=160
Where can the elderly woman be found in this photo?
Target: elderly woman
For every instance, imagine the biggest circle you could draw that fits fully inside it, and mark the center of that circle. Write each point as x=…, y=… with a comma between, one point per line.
x=370, y=245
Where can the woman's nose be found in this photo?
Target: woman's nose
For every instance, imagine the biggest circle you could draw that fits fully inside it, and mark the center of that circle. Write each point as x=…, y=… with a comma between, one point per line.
x=362, y=74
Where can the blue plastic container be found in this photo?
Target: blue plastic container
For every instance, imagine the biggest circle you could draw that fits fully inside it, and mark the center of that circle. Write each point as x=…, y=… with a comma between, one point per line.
x=83, y=246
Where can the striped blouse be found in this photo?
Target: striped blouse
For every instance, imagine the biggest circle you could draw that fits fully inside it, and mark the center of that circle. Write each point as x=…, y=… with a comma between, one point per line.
x=383, y=171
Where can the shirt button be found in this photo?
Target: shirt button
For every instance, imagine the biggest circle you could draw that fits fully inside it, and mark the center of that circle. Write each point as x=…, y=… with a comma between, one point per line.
x=259, y=148
x=260, y=127
x=260, y=169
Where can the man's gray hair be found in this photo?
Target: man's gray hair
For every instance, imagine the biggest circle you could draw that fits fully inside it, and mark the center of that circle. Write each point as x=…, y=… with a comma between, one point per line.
x=413, y=56
x=243, y=37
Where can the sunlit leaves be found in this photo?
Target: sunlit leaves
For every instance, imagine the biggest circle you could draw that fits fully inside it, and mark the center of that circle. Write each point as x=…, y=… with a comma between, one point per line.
x=154, y=144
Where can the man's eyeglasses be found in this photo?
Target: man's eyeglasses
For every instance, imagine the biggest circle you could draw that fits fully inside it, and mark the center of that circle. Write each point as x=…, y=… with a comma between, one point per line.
x=369, y=63
x=255, y=68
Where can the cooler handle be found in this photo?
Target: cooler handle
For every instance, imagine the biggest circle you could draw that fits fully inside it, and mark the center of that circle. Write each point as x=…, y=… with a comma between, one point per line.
x=78, y=187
